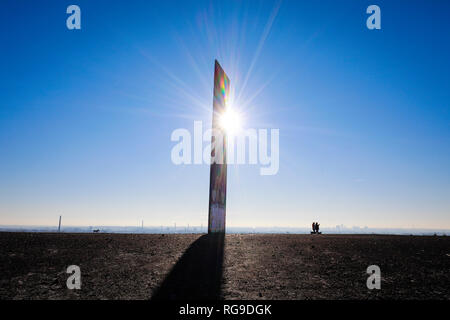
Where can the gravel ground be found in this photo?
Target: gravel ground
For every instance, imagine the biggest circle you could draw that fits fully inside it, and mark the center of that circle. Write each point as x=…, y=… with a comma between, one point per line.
x=239, y=266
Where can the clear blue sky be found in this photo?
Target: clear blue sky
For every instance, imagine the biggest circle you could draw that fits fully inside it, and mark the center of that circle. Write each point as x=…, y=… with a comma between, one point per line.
x=86, y=115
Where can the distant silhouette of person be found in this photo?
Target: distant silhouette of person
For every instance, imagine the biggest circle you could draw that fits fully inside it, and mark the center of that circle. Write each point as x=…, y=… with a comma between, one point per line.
x=315, y=228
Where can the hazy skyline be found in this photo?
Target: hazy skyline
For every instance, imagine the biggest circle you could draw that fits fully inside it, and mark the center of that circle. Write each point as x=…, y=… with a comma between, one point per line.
x=363, y=115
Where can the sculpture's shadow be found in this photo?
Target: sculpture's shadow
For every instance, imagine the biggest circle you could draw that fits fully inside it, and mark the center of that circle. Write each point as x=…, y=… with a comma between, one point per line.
x=198, y=273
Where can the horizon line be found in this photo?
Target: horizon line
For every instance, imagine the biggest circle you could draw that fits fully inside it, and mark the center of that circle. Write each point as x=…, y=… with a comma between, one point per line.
x=205, y=226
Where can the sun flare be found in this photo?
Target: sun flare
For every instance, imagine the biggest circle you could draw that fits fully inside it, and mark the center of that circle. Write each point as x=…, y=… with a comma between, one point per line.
x=230, y=121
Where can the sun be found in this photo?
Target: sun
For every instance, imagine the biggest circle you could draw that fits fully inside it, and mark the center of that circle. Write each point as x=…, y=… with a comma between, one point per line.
x=230, y=121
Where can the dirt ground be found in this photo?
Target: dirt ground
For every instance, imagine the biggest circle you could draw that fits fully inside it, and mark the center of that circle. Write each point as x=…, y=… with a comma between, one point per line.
x=239, y=266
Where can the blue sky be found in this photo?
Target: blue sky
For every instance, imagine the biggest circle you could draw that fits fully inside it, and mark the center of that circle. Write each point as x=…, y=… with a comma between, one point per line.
x=364, y=117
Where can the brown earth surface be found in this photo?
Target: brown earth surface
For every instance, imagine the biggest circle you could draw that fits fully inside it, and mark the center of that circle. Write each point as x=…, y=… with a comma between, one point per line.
x=239, y=266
